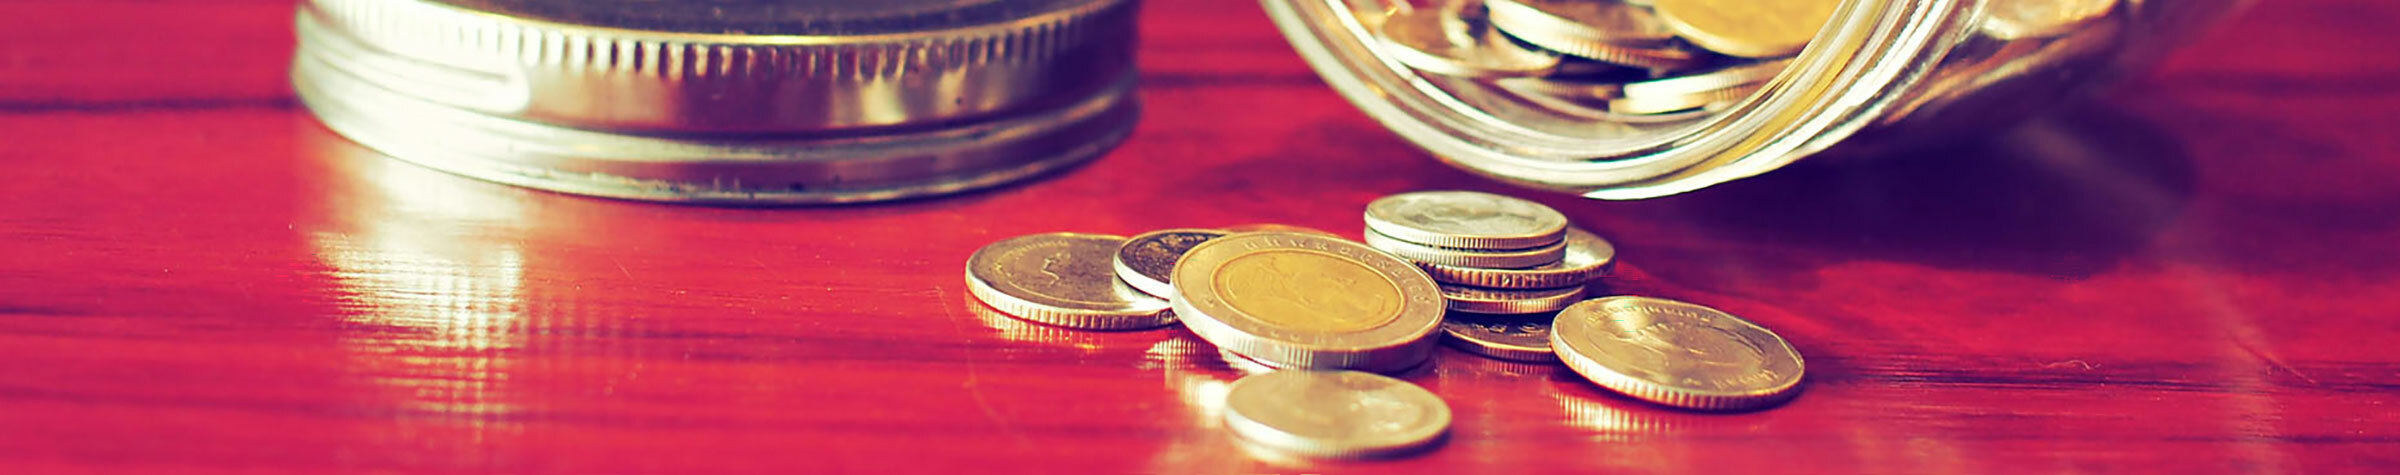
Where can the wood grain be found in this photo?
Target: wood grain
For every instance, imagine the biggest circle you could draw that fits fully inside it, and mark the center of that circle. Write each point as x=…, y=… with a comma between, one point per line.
x=2196, y=274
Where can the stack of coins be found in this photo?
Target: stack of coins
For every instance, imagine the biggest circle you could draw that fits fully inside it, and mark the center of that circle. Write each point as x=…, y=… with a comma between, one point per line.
x=1609, y=59
x=1500, y=276
x=1503, y=263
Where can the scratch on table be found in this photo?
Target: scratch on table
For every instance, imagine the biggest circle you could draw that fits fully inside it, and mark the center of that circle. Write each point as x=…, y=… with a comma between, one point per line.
x=974, y=382
x=621, y=267
x=2271, y=361
x=2063, y=364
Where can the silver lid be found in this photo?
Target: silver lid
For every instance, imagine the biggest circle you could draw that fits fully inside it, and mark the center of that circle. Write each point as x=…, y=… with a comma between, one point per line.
x=725, y=101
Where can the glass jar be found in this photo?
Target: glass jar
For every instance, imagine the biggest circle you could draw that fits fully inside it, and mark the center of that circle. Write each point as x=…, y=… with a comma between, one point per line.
x=1880, y=76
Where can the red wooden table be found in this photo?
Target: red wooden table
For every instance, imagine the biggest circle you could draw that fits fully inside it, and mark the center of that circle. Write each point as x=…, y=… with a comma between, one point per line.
x=2198, y=273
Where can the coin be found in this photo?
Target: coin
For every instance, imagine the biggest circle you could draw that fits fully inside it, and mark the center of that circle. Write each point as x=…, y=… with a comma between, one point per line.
x=1145, y=260
x=1670, y=103
x=1466, y=220
x=1676, y=353
x=1746, y=28
x=1510, y=302
x=1701, y=83
x=1440, y=41
x=1308, y=301
x=1605, y=31
x=1588, y=257
x=1579, y=104
x=1510, y=259
x=1509, y=337
x=2020, y=19
x=1061, y=279
x=1335, y=413
x=1571, y=21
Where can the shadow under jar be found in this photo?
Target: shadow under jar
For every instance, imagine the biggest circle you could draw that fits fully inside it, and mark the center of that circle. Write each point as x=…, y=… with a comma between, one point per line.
x=1878, y=77
x=725, y=101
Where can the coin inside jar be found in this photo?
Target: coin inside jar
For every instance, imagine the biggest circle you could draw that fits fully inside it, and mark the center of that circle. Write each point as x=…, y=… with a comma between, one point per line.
x=1335, y=413
x=1308, y=301
x=1442, y=41
x=1676, y=353
x=1061, y=279
x=1747, y=28
x=1466, y=220
x=1146, y=259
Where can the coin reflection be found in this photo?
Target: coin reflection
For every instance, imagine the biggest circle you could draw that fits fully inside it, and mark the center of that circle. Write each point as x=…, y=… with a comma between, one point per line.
x=1021, y=331
x=1612, y=419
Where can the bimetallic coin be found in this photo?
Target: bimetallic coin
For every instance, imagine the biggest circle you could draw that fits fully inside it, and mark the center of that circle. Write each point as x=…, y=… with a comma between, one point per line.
x=2020, y=19
x=1308, y=301
x=1061, y=279
x=1671, y=103
x=1509, y=337
x=1701, y=83
x=1335, y=413
x=1439, y=41
x=1510, y=302
x=1676, y=353
x=1588, y=257
x=1512, y=259
x=1746, y=28
x=1466, y=220
x=1145, y=260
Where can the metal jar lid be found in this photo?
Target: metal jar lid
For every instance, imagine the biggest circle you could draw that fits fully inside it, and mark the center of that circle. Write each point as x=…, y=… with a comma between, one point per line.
x=801, y=101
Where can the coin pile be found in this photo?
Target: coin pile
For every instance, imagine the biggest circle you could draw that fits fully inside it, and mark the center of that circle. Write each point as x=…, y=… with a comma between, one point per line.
x=1500, y=276
x=1635, y=61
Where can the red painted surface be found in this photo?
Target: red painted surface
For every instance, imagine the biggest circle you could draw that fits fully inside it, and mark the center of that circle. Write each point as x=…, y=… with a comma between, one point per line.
x=2197, y=273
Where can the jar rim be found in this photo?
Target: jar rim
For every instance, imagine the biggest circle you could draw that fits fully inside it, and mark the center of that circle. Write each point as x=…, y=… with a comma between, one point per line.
x=1856, y=67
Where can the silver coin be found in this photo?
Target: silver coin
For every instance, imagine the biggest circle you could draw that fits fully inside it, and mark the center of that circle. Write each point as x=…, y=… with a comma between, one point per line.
x=1509, y=337
x=1335, y=413
x=1146, y=260
x=1705, y=82
x=1511, y=259
x=1466, y=220
x=1061, y=279
x=1593, y=21
x=1510, y=302
x=1308, y=301
x=1588, y=257
x=1442, y=41
x=1660, y=104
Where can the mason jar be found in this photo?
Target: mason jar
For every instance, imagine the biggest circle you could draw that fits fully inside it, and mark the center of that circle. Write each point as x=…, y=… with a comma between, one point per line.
x=1879, y=77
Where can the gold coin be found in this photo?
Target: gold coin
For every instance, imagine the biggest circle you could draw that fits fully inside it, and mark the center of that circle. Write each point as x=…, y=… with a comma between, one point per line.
x=1676, y=353
x=1307, y=301
x=1308, y=290
x=1747, y=28
x=2020, y=19
x=1063, y=279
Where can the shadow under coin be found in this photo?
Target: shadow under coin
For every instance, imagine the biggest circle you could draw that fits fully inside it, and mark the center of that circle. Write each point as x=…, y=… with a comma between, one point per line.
x=2067, y=195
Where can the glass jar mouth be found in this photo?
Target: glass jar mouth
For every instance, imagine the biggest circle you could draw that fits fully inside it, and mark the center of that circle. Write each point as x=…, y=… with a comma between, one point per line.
x=1839, y=83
